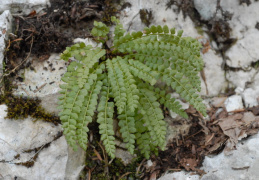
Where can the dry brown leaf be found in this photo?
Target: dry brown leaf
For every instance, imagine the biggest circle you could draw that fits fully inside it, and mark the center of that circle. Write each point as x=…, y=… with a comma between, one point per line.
x=218, y=101
x=189, y=164
x=248, y=118
x=255, y=110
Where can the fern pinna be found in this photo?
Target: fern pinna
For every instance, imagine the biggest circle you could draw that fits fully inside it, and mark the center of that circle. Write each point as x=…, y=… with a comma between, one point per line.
x=138, y=60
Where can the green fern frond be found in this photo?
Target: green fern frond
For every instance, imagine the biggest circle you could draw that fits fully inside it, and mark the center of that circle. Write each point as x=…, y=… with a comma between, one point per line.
x=100, y=31
x=118, y=87
x=118, y=30
x=127, y=128
x=152, y=116
x=77, y=104
x=127, y=86
x=143, y=137
x=105, y=119
x=141, y=71
x=131, y=88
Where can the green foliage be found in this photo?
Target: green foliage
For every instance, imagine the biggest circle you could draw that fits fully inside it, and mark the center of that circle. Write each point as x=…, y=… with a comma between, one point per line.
x=125, y=85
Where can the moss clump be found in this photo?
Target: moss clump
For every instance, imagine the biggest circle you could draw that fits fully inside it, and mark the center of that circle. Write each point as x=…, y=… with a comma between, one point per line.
x=146, y=16
x=21, y=107
x=110, y=10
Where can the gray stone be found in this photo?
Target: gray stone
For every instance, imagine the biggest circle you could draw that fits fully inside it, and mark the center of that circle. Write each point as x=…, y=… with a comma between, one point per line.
x=180, y=176
x=206, y=9
x=242, y=164
x=5, y=29
x=240, y=78
x=244, y=51
x=43, y=81
x=17, y=136
x=233, y=103
x=250, y=96
x=56, y=161
x=214, y=74
x=131, y=21
x=23, y=7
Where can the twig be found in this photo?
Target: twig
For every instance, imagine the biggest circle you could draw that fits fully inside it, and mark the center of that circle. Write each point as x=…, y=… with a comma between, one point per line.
x=20, y=63
x=127, y=173
x=140, y=166
x=193, y=134
x=36, y=90
x=132, y=21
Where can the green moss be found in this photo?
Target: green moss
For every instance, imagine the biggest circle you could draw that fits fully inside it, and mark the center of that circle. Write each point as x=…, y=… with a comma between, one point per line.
x=146, y=16
x=21, y=107
x=199, y=30
x=110, y=10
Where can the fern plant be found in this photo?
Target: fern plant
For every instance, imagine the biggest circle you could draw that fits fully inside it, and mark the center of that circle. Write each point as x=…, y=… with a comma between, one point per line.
x=120, y=84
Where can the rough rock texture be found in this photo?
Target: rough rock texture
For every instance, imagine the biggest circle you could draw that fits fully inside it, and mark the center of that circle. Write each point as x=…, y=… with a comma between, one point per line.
x=243, y=25
x=22, y=140
x=240, y=78
x=180, y=176
x=26, y=141
x=205, y=9
x=23, y=7
x=131, y=20
x=214, y=74
x=233, y=103
x=43, y=81
x=5, y=29
x=242, y=164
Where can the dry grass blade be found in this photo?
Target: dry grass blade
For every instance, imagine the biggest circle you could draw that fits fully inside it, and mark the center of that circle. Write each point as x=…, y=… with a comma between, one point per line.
x=127, y=173
x=98, y=155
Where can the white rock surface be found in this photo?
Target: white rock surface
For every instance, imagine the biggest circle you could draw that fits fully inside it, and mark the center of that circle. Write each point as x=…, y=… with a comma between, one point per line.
x=56, y=161
x=251, y=96
x=215, y=78
x=233, y=103
x=242, y=164
x=180, y=176
x=243, y=23
x=245, y=51
x=44, y=79
x=131, y=21
x=23, y=7
x=5, y=29
x=240, y=78
x=206, y=9
x=17, y=136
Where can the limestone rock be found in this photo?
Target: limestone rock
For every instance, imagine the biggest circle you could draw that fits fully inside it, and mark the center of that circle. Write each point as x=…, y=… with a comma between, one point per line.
x=242, y=164
x=23, y=6
x=180, y=176
x=240, y=78
x=214, y=74
x=5, y=29
x=205, y=9
x=233, y=103
x=24, y=141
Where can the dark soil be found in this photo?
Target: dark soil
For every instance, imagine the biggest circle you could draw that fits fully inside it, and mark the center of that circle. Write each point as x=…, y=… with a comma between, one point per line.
x=53, y=30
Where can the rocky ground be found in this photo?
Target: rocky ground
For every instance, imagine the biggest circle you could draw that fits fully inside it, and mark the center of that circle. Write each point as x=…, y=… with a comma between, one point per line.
x=223, y=145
